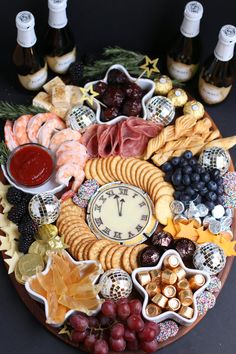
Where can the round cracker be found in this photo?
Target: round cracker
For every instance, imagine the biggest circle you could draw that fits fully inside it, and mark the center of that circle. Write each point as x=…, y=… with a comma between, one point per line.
x=134, y=255
x=86, y=249
x=100, y=171
x=128, y=170
x=67, y=202
x=105, y=169
x=166, y=190
x=96, y=248
x=103, y=254
x=113, y=164
x=147, y=177
x=162, y=209
x=109, y=256
x=124, y=168
x=125, y=259
x=119, y=170
x=94, y=173
x=87, y=169
x=134, y=170
x=116, y=257
x=80, y=248
x=108, y=166
x=139, y=172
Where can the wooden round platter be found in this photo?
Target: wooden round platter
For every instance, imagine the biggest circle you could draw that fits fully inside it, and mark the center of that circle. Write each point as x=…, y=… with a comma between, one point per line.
x=38, y=310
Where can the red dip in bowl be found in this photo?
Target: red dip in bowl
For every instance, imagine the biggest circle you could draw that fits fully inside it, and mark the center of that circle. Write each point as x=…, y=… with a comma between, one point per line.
x=30, y=165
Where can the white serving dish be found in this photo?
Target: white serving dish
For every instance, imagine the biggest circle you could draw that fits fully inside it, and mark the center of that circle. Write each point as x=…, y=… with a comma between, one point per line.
x=145, y=84
x=50, y=186
x=44, y=301
x=170, y=314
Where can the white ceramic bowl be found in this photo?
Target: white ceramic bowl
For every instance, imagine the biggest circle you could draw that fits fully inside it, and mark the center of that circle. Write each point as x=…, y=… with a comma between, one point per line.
x=50, y=186
x=170, y=314
x=145, y=84
x=44, y=301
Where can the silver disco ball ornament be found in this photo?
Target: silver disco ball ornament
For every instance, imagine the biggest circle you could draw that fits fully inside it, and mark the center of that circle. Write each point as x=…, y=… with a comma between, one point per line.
x=215, y=157
x=80, y=117
x=44, y=208
x=160, y=110
x=210, y=258
x=115, y=284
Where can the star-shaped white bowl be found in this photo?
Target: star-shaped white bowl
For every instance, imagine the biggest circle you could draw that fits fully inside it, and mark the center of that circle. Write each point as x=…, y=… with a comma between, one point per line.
x=145, y=84
x=44, y=301
x=170, y=314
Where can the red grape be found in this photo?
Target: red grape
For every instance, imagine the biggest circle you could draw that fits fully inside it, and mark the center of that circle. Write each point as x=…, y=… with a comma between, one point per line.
x=129, y=335
x=135, y=307
x=93, y=322
x=147, y=334
x=89, y=342
x=117, y=331
x=78, y=336
x=118, y=345
x=79, y=322
x=135, y=323
x=109, y=309
x=123, y=300
x=104, y=320
x=101, y=347
x=132, y=345
x=153, y=325
x=149, y=347
x=123, y=311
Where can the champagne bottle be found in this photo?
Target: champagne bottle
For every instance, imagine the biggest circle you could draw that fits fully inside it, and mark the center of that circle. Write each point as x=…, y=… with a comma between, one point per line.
x=183, y=59
x=30, y=65
x=218, y=72
x=59, y=43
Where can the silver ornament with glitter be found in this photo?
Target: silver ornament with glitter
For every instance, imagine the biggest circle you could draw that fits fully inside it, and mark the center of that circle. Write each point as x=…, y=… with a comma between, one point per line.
x=177, y=207
x=203, y=210
x=115, y=284
x=210, y=258
x=215, y=157
x=44, y=208
x=80, y=117
x=160, y=110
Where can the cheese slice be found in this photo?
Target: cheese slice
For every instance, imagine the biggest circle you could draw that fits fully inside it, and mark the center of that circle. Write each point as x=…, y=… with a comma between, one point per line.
x=43, y=100
x=75, y=95
x=61, y=96
x=60, y=112
x=52, y=83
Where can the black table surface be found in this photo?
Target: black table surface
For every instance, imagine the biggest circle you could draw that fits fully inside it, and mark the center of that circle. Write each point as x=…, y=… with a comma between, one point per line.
x=148, y=26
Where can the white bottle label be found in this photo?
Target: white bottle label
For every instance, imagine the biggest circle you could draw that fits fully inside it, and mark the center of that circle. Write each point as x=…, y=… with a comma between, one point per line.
x=212, y=94
x=34, y=81
x=61, y=64
x=180, y=71
x=26, y=39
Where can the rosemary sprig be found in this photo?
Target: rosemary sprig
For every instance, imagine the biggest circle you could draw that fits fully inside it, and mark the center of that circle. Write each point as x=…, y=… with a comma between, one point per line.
x=114, y=55
x=13, y=111
x=4, y=153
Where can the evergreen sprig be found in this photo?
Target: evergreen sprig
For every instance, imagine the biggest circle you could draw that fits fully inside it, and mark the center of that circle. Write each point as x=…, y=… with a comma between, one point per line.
x=13, y=111
x=4, y=153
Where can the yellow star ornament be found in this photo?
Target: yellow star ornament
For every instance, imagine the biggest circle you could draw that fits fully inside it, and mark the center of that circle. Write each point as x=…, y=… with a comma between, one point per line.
x=150, y=66
x=88, y=94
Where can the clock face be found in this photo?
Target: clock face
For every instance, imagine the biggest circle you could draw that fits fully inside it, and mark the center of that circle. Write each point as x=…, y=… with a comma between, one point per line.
x=120, y=212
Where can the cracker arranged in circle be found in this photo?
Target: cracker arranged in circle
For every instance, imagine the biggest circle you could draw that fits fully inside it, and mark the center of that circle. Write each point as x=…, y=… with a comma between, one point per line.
x=134, y=255
x=108, y=167
x=87, y=169
x=96, y=248
x=124, y=169
x=86, y=249
x=100, y=171
x=80, y=248
x=109, y=256
x=162, y=209
x=113, y=164
x=139, y=172
x=94, y=172
x=103, y=254
x=153, y=182
x=134, y=170
x=147, y=177
x=67, y=202
x=119, y=170
x=125, y=259
x=105, y=169
x=128, y=171
x=117, y=256
x=165, y=190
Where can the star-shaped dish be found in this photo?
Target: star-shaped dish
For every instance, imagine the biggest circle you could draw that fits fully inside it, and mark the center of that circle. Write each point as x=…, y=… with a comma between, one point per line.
x=40, y=298
x=170, y=314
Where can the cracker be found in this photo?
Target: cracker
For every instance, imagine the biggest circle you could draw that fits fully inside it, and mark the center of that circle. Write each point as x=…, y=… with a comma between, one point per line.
x=109, y=256
x=113, y=164
x=118, y=172
x=134, y=255
x=147, y=177
x=139, y=172
x=103, y=254
x=134, y=169
x=117, y=256
x=128, y=171
x=153, y=182
x=125, y=259
x=79, y=251
x=86, y=249
x=124, y=169
x=105, y=169
x=96, y=248
x=87, y=169
x=94, y=174
x=162, y=209
x=166, y=190
x=108, y=167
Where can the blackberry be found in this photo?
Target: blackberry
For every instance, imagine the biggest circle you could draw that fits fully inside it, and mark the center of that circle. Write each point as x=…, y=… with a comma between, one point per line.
x=76, y=70
x=14, y=195
x=26, y=198
x=25, y=242
x=17, y=212
x=28, y=227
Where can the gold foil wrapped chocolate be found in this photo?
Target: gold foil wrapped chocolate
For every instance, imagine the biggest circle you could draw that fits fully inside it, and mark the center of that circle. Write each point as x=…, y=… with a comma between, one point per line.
x=197, y=281
x=156, y=276
x=186, y=312
x=194, y=108
x=168, y=277
x=173, y=304
x=144, y=278
x=46, y=232
x=153, y=310
x=183, y=284
x=152, y=289
x=171, y=262
x=180, y=272
x=163, y=84
x=186, y=297
x=169, y=291
x=160, y=300
x=178, y=97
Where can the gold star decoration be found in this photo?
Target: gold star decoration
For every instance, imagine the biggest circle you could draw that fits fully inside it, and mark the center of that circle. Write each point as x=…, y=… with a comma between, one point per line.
x=150, y=66
x=65, y=330
x=88, y=94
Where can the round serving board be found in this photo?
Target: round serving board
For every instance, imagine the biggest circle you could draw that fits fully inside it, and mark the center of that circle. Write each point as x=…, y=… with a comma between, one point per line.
x=38, y=310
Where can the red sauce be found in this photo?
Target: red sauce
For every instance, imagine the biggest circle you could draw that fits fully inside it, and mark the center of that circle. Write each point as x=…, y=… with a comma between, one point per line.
x=31, y=165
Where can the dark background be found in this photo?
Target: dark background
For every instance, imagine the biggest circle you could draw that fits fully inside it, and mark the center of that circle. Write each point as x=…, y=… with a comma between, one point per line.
x=149, y=26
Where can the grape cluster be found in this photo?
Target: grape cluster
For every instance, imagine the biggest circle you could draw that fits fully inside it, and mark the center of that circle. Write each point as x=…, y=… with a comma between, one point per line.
x=118, y=327
x=193, y=182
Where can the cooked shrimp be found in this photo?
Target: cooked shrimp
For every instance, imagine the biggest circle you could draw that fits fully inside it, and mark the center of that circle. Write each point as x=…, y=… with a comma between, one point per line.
x=68, y=171
x=46, y=132
x=71, y=156
x=62, y=136
x=10, y=138
x=35, y=123
x=72, y=146
x=19, y=129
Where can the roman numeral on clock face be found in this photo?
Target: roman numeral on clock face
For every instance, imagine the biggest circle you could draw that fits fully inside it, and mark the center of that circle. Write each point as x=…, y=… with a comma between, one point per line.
x=117, y=235
x=130, y=234
x=123, y=191
x=144, y=217
x=103, y=199
x=98, y=221
x=106, y=231
x=138, y=228
x=110, y=193
x=142, y=204
x=98, y=207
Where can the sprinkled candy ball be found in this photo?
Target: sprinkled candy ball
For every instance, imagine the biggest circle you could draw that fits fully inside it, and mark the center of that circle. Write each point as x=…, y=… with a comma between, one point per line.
x=115, y=284
x=85, y=192
x=205, y=301
x=215, y=285
x=168, y=329
x=210, y=258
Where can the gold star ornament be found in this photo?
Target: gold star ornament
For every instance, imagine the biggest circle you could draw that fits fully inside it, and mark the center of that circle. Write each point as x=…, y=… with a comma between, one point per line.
x=150, y=66
x=88, y=94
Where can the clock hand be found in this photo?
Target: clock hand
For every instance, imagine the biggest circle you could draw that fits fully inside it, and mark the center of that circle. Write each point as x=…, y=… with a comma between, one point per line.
x=117, y=203
x=121, y=206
